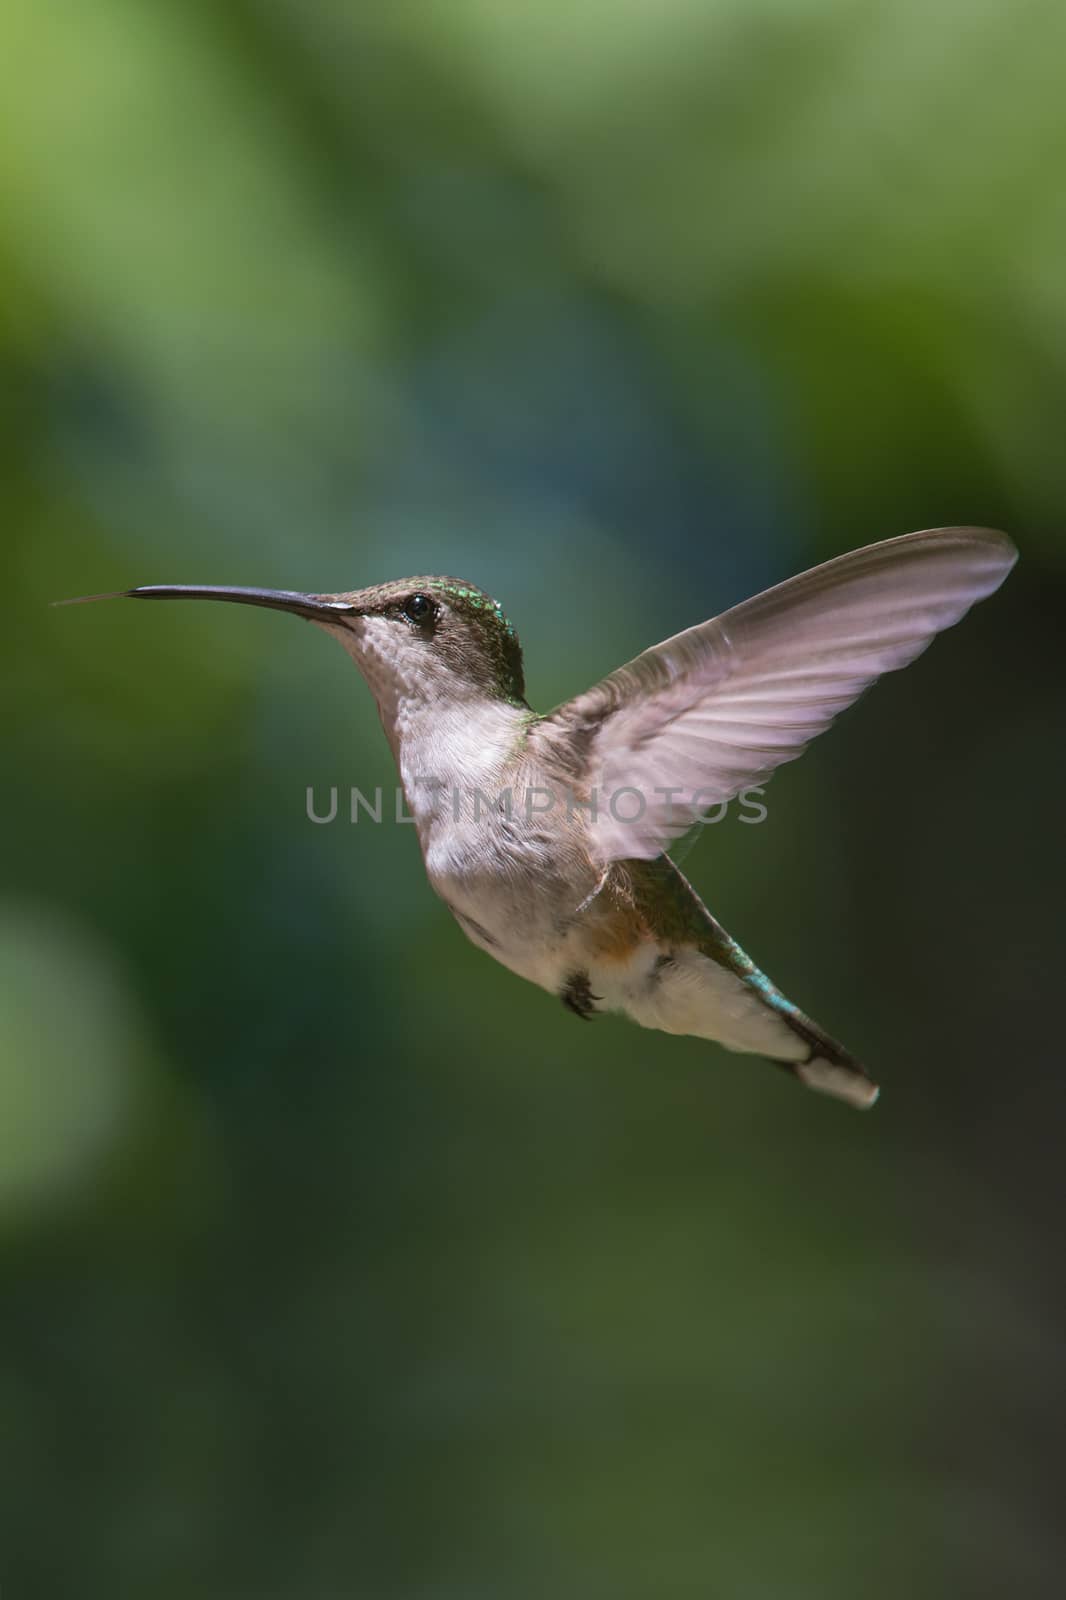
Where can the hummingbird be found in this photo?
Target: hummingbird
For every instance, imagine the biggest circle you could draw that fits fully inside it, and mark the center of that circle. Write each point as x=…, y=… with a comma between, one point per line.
x=547, y=836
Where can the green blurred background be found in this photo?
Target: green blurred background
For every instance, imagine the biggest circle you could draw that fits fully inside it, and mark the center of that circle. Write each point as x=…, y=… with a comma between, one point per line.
x=335, y=1261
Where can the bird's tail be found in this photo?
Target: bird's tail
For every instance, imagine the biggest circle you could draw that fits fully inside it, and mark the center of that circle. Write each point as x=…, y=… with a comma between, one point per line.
x=829, y=1068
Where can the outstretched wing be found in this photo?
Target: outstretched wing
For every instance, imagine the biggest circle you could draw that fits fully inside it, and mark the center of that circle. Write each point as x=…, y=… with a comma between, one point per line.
x=717, y=708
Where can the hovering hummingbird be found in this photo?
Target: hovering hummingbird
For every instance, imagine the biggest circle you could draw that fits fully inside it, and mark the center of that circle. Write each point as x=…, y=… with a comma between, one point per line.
x=574, y=888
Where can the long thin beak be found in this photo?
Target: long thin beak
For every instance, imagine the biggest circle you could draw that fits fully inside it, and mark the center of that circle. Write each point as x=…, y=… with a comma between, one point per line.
x=315, y=606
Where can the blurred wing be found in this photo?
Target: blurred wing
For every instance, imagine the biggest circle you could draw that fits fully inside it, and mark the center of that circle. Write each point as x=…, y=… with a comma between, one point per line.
x=717, y=708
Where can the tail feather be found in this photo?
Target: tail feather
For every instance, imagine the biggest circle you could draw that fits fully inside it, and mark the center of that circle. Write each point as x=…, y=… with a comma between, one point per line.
x=830, y=1069
x=689, y=998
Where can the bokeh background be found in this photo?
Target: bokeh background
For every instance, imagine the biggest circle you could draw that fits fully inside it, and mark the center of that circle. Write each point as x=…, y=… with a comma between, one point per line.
x=335, y=1261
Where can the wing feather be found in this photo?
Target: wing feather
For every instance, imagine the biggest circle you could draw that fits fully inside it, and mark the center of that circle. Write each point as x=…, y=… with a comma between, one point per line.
x=718, y=708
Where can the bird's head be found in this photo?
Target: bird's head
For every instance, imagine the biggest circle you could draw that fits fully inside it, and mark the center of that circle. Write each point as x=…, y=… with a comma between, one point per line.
x=416, y=639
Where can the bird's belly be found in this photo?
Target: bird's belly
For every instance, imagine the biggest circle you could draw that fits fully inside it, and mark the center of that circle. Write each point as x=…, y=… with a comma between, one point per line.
x=515, y=891
x=522, y=928
x=527, y=921
x=540, y=931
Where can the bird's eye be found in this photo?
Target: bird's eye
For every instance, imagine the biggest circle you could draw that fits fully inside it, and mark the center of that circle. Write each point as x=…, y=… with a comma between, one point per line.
x=419, y=609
